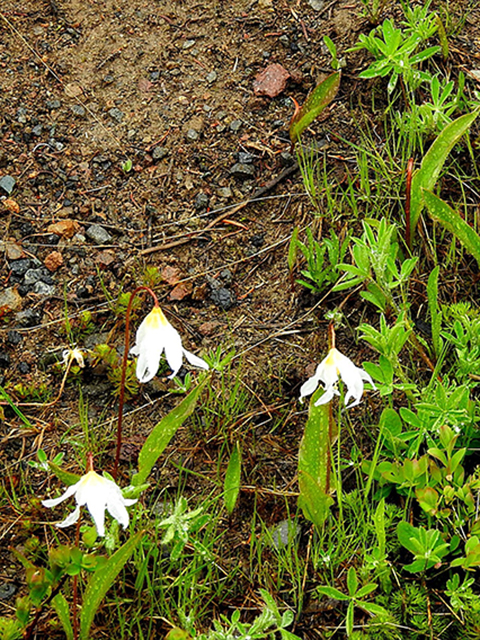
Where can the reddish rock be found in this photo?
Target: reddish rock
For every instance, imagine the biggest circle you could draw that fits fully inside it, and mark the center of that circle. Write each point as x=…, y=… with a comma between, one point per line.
x=66, y=228
x=105, y=258
x=271, y=81
x=207, y=328
x=181, y=291
x=171, y=275
x=11, y=205
x=13, y=250
x=53, y=261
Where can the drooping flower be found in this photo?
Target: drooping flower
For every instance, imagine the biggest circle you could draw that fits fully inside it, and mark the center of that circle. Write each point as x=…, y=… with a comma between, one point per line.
x=70, y=355
x=333, y=367
x=154, y=336
x=98, y=493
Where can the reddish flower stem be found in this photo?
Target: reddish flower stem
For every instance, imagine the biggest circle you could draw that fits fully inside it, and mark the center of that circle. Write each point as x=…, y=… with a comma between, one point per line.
x=121, y=399
x=408, y=192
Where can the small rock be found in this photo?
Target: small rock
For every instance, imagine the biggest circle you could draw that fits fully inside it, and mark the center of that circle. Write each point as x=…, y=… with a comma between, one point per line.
x=28, y=318
x=7, y=183
x=226, y=276
x=73, y=90
x=105, y=258
x=78, y=110
x=171, y=275
x=223, y=298
x=43, y=289
x=66, y=228
x=159, y=153
x=37, y=130
x=116, y=114
x=32, y=276
x=271, y=81
x=24, y=368
x=317, y=5
x=286, y=159
x=154, y=76
x=7, y=590
x=212, y=76
x=285, y=533
x=235, y=126
x=13, y=250
x=11, y=205
x=53, y=104
x=108, y=79
x=207, y=328
x=242, y=171
x=181, y=291
x=201, y=201
x=192, y=135
x=188, y=44
x=4, y=360
x=20, y=267
x=245, y=158
x=224, y=192
x=14, y=338
x=284, y=41
x=258, y=240
x=98, y=234
x=10, y=300
x=53, y=261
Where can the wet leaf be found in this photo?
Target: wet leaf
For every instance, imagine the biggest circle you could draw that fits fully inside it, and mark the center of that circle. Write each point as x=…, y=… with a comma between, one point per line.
x=316, y=102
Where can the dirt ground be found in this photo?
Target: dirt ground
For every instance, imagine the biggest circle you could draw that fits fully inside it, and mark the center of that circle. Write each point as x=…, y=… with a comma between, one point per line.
x=86, y=88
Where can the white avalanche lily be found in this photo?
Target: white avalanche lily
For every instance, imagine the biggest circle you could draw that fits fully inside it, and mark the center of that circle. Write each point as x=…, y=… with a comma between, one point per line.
x=98, y=493
x=70, y=355
x=332, y=367
x=155, y=335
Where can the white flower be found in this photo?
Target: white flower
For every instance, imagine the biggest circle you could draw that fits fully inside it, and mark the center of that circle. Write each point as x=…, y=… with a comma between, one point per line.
x=332, y=367
x=98, y=493
x=73, y=354
x=154, y=336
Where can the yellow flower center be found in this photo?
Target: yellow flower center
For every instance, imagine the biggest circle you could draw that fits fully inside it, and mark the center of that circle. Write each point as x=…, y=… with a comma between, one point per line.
x=156, y=319
x=331, y=360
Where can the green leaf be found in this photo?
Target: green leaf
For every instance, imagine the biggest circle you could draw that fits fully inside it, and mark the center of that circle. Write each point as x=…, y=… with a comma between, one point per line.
x=62, y=609
x=407, y=533
x=101, y=581
x=352, y=581
x=314, y=464
x=15, y=409
x=432, y=163
x=293, y=249
x=435, y=312
x=453, y=222
x=163, y=432
x=366, y=590
x=232, y=478
x=332, y=592
x=316, y=102
x=66, y=477
x=349, y=619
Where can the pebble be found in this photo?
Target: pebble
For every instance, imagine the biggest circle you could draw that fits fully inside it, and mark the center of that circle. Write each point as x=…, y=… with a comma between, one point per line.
x=201, y=201
x=284, y=41
x=21, y=115
x=4, y=360
x=78, y=110
x=7, y=590
x=98, y=234
x=258, y=240
x=159, y=153
x=286, y=159
x=53, y=104
x=116, y=114
x=14, y=338
x=242, y=171
x=24, y=368
x=44, y=289
x=37, y=130
x=108, y=79
x=20, y=267
x=245, y=158
x=212, y=76
x=10, y=299
x=28, y=318
x=284, y=533
x=154, y=76
x=192, y=135
x=224, y=192
x=7, y=183
x=188, y=44
x=235, y=126
x=53, y=261
x=223, y=298
x=32, y=276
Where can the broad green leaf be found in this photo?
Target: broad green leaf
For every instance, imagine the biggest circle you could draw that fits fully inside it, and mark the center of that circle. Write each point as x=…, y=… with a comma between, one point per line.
x=332, y=592
x=407, y=533
x=366, y=590
x=316, y=102
x=453, y=222
x=232, y=478
x=314, y=464
x=67, y=477
x=62, y=609
x=352, y=581
x=101, y=581
x=163, y=432
x=432, y=163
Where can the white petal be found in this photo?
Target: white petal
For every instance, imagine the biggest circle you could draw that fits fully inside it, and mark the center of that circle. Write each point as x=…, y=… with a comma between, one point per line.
x=195, y=360
x=310, y=385
x=149, y=361
x=54, y=501
x=71, y=519
x=174, y=351
x=327, y=396
x=367, y=378
x=96, y=506
x=117, y=510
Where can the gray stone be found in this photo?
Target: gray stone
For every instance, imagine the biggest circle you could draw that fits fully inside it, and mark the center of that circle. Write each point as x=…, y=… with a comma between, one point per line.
x=7, y=183
x=13, y=337
x=78, y=110
x=98, y=234
x=4, y=360
x=212, y=76
x=108, y=79
x=188, y=44
x=192, y=135
x=317, y=5
x=245, y=158
x=59, y=146
x=53, y=104
x=7, y=590
x=116, y=114
x=159, y=153
x=37, y=130
x=28, y=318
x=224, y=192
x=44, y=289
x=284, y=533
x=284, y=41
x=223, y=298
x=235, y=126
x=201, y=201
x=32, y=276
x=20, y=267
x=242, y=171
x=21, y=115
x=286, y=159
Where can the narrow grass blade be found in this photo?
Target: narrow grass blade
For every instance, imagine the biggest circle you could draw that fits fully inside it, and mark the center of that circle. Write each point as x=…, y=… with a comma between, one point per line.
x=62, y=609
x=232, y=479
x=163, y=432
x=101, y=581
x=453, y=222
x=314, y=465
x=432, y=163
x=316, y=102
x=434, y=308
x=24, y=419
